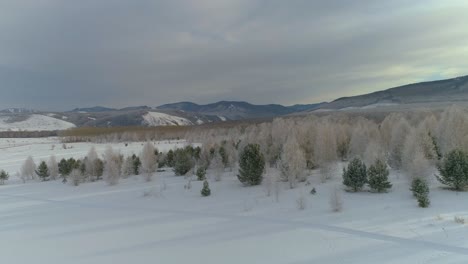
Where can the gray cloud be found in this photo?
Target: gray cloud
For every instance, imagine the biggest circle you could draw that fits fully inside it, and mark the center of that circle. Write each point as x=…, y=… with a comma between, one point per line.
x=61, y=54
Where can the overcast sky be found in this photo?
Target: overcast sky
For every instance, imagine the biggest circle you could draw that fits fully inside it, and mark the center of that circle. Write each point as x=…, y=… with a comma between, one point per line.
x=59, y=54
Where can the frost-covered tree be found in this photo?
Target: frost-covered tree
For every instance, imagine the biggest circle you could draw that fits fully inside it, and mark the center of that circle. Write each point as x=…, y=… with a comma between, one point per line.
x=454, y=170
x=452, y=130
x=292, y=162
x=217, y=166
x=355, y=176
x=127, y=167
x=53, y=168
x=378, y=176
x=252, y=165
x=397, y=142
x=75, y=177
x=91, y=165
x=148, y=161
x=112, y=166
x=28, y=169
x=336, y=202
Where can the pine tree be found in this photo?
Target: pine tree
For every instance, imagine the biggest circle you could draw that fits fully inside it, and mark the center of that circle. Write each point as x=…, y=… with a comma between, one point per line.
x=136, y=164
x=420, y=190
x=378, y=176
x=64, y=168
x=182, y=162
x=201, y=173
x=355, y=176
x=454, y=170
x=251, y=165
x=43, y=171
x=206, y=189
x=3, y=176
x=170, y=158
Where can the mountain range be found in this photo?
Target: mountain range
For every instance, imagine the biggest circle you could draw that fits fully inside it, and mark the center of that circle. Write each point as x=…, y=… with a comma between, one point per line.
x=426, y=94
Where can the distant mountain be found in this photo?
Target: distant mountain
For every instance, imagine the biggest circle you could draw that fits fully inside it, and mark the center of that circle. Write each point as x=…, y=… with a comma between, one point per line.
x=95, y=109
x=17, y=111
x=231, y=110
x=305, y=107
x=424, y=93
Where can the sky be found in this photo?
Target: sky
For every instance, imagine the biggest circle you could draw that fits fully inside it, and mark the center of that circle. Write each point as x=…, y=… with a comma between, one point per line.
x=58, y=54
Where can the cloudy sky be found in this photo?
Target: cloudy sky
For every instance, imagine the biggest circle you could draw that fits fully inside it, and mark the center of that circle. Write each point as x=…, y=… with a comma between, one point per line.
x=59, y=54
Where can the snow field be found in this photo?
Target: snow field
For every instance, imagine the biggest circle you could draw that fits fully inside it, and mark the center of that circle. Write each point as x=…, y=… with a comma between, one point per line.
x=96, y=223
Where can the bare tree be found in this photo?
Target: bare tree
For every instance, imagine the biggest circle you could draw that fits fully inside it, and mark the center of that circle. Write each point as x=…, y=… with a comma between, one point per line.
x=217, y=166
x=112, y=166
x=91, y=164
x=53, y=168
x=28, y=169
x=292, y=162
x=75, y=177
x=336, y=202
x=127, y=167
x=148, y=161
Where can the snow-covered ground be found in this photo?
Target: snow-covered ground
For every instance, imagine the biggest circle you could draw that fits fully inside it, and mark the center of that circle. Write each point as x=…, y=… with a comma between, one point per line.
x=161, y=119
x=96, y=223
x=34, y=122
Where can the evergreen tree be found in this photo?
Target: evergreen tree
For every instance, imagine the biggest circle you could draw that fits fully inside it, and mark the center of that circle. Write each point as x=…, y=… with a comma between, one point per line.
x=206, y=189
x=224, y=157
x=99, y=166
x=201, y=173
x=3, y=176
x=251, y=165
x=454, y=170
x=437, y=150
x=136, y=164
x=182, y=162
x=43, y=171
x=170, y=158
x=378, y=176
x=355, y=176
x=420, y=190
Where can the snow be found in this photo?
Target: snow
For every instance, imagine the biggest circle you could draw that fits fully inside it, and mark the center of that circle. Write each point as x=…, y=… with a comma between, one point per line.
x=161, y=119
x=35, y=122
x=96, y=223
x=222, y=118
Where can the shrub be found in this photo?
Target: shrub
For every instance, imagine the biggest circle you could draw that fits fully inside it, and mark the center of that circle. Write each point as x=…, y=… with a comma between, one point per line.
x=454, y=170
x=378, y=176
x=251, y=165
x=206, y=189
x=355, y=176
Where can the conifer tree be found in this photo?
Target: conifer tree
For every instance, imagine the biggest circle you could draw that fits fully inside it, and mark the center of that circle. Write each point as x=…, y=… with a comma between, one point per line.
x=251, y=165
x=42, y=171
x=454, y=170
x=355, y=176
x=378, y=176
x=206, y=189
x=3, y=176
x=201, y=173
x=420, y=190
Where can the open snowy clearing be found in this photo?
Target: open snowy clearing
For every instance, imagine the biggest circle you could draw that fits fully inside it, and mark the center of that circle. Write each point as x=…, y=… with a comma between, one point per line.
x=162, y=222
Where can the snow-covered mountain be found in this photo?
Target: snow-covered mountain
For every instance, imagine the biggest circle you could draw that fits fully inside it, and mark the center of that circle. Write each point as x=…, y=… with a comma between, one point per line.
x=162, y=119
x=33, y=122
